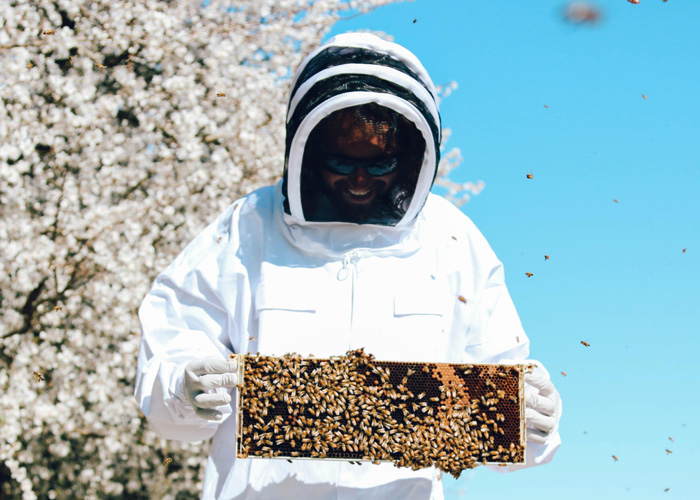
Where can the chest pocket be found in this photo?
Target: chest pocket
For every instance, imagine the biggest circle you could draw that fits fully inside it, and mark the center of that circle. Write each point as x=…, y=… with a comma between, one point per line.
x=415, y=330
x=286, y=317
x=294, y=309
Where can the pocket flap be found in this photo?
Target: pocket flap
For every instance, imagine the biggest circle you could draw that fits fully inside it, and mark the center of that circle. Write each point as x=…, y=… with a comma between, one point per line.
x=288, y=295
x=423, y=298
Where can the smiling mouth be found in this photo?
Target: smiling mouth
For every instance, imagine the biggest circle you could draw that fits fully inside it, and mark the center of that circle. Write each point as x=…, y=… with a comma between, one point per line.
x=355, y=192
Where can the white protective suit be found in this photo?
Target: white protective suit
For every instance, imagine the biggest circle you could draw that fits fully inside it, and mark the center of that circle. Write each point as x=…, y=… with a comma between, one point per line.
x=263, y=278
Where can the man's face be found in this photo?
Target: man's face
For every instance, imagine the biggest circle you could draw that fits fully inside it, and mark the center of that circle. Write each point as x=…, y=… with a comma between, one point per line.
x=371, y=163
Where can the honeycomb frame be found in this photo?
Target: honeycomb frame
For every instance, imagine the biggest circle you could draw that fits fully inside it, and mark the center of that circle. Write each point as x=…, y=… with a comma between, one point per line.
x=356, y=409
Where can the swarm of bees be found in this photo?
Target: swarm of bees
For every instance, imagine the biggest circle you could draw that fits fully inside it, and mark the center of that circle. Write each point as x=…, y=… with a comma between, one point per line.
x=354, y=408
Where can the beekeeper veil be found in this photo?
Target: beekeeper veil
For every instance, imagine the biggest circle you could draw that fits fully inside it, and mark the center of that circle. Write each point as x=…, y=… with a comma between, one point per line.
x=358, y=83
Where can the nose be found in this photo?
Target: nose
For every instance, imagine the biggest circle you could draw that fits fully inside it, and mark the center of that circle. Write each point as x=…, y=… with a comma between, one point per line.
x=360, y=177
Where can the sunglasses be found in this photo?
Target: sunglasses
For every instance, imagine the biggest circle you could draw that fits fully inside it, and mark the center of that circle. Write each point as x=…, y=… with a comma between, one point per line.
x=342, y=165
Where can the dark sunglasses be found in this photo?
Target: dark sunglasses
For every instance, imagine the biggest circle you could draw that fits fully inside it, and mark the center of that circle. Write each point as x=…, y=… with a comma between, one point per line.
x=342, y=165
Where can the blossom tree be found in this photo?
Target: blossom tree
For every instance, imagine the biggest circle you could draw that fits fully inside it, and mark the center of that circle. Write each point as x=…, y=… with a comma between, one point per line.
x=125, y=127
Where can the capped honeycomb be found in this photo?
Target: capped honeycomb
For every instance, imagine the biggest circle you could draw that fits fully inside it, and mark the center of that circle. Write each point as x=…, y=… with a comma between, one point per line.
x=355, y=408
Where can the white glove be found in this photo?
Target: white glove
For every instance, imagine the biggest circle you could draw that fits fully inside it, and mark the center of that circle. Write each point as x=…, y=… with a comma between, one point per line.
x=202, y=376
x=542, y=404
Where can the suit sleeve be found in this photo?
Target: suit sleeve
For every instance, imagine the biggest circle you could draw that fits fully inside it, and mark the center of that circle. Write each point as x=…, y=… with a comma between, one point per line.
x=495, y=335
x=182, y=319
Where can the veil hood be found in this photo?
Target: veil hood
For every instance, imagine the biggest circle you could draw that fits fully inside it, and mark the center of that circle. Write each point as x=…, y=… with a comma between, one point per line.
x=350, y=70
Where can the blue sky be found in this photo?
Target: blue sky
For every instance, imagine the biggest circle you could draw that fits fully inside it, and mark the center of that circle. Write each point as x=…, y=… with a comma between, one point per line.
x=617, y=276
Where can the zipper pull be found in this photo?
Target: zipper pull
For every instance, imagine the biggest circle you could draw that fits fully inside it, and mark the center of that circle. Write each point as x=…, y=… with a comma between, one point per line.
x=350, y=265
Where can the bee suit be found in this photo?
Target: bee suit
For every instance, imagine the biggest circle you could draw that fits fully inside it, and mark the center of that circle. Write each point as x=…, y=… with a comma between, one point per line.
x=275, y=273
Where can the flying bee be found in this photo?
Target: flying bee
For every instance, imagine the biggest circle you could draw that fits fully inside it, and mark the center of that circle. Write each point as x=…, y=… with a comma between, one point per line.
x=563, y=373
x=167, y=461
x=529, y=275
x=38, y=377
x=684, y=250
x=614, y=458
x=218, y=240
x=546, y=106
x=546, y=257
x=616, y=200
x=454, y=238
x=668, y=452
x=220, y=94
x=585, y=343
x=671, y=439
x=49, y=32
x=58, y=308
x=462, y=299
x=529, y=175
x=633, y=1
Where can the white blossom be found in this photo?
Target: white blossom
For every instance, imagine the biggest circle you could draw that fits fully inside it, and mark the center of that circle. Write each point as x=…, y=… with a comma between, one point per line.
x=122, y=134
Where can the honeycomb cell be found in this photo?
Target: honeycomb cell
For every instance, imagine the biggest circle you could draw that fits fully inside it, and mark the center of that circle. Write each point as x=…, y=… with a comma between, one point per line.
x=352, y=407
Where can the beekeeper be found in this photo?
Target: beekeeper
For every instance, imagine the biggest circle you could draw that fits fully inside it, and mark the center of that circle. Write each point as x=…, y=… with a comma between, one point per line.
x=349, y=250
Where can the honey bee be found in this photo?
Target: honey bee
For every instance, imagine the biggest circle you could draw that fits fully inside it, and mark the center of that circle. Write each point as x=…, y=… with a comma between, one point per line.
x=585, y=343
x=529, y=175
x=633, y=1
x=462, y=299
x=251, y=338
x=546, y=258
x=30, y=65
x=454, y=238
x=218, y=240
x=529, y=275
x=58, y=308
x=614, y=458
x=546, y=106
x=49, y=32
x=671, y=439
x=38, y=377
x=220, y=94
x=684, y=250
x=167, y=461
x=616, y=200
x=668, y=452
x=666, y=489
x=517, y=339
x=644, y=96
x=563, y=373
x=100, y=66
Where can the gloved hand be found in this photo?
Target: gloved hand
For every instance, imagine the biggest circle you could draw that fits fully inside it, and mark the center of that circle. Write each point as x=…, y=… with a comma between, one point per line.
x=542, y=405
x=202, y=376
